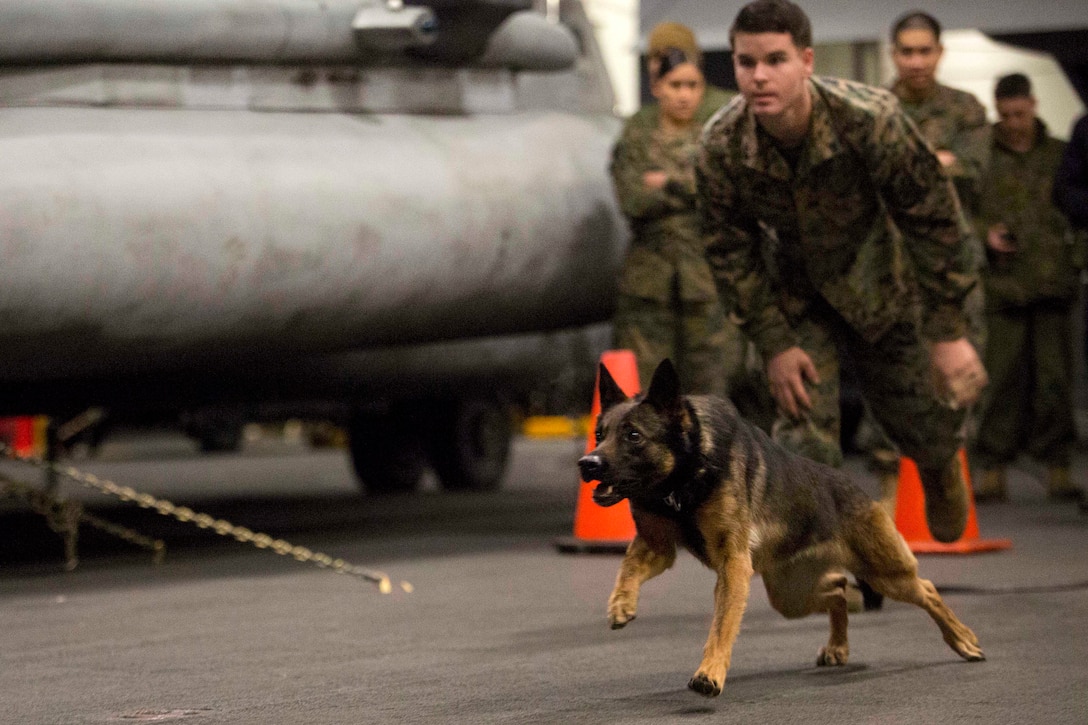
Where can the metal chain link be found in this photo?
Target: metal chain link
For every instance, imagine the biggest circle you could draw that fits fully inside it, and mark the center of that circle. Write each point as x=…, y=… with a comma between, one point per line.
x=205, y=521
x=156, y=546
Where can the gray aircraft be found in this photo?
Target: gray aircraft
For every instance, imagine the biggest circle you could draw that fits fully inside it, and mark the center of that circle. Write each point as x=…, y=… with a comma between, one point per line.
x=397, y=215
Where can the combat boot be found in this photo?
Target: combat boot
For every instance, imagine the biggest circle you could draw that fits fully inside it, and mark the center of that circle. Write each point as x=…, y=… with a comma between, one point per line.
x=1060, y=487
x=946, y=501
x=994, y=486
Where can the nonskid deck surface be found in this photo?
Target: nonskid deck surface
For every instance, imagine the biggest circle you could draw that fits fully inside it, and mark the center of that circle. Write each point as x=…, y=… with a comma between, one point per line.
x=500, y=628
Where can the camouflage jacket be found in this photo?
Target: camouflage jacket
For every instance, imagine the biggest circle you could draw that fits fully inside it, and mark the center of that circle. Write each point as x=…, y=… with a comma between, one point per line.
x=955, y=121
x=1017, y=189
x=667, y=246
x=1071, y=182
x=868, y=221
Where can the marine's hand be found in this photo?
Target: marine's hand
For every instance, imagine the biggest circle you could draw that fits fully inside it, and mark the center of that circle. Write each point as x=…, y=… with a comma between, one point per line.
x=999, y=239
x=946, y=157
x=958, y=374
x=655, y=179
x=787, y=372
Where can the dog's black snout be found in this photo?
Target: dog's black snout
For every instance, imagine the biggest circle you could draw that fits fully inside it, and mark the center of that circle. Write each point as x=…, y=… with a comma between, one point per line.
x=592, y=466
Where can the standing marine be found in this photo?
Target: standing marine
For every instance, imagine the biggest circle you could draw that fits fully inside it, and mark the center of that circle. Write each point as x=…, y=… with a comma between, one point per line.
x=668, y=305
x=1071, y=195
x=1031, y=283
x=953, y=123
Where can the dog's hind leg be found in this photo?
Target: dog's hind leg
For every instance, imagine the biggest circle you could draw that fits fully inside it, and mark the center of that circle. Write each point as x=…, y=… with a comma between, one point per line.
x=922, y=592
x=640, y=563
x=891, y=569
x=803, y=587
x=831, y=597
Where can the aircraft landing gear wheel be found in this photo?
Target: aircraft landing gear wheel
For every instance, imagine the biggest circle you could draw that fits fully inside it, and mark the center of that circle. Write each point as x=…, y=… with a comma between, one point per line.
x=386, y=452
x=222, y=439
x=469, y=450
x=216, y=431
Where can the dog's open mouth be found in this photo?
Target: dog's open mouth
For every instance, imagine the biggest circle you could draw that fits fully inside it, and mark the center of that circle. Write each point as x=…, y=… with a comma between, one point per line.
x=605, y=494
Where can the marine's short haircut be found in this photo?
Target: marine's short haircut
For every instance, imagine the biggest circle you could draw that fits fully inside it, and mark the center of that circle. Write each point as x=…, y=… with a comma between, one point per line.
x=1014, y=85
x=773, y=16
x=916, y=20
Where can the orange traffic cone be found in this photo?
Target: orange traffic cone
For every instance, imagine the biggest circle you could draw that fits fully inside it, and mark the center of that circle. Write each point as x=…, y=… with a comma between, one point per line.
x=910, y=516
x=598, y=529
x=25, y=435
x=22, y=435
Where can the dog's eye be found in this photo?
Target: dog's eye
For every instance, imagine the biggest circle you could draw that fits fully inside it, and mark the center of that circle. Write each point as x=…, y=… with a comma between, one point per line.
x=598, y=435
x=634, y=436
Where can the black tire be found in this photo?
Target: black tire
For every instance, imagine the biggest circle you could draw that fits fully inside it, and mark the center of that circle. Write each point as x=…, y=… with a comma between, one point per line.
x=215, y=429
x=470, y=446
x=386, y=452
x=221, y=438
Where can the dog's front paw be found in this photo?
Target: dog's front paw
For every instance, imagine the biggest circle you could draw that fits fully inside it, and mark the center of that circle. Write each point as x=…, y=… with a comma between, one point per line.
x=830, y=656
x=970, y=651
x=619, y=617
x=705, y=686
x=621, y=610
x=964, y=641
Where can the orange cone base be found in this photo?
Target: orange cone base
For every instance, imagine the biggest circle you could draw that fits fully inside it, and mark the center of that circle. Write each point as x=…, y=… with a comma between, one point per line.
x=975, y=546
x=910, y=517
x=571, y=545
x=599, y=529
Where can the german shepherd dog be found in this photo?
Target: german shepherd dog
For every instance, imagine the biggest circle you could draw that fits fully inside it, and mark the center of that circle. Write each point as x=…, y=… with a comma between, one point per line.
x=698, y=475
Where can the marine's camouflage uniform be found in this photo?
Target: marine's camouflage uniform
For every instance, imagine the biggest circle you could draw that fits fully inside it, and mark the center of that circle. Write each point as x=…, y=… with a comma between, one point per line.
x=1029, y=404
x=668, y=305
x=954, y=120
x=951, y=120
x=809, y=257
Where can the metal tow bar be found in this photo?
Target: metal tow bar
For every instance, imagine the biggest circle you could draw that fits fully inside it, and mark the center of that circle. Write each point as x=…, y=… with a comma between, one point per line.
x=64, y=517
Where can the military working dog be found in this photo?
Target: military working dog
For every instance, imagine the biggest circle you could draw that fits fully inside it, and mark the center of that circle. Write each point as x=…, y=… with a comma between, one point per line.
x=698, y=475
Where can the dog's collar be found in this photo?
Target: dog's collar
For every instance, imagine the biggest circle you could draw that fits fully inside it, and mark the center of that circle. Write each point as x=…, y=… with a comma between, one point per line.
x=687, y=475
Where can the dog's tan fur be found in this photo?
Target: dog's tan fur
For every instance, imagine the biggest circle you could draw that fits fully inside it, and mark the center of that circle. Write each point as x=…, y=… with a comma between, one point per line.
x=698, y=476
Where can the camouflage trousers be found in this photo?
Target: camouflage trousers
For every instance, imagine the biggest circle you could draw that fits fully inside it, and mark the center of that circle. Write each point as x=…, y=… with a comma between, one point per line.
x=712, y=355
x=695, y=335
x=883, y=455
x=894, y=376
x=1028, y=406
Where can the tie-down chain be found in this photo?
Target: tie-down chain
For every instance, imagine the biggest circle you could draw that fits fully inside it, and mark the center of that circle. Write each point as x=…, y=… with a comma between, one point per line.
x=64, y=517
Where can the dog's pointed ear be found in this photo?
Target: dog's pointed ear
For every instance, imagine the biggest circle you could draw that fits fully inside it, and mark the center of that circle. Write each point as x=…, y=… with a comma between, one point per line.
x=664, y=393
x=610, y=391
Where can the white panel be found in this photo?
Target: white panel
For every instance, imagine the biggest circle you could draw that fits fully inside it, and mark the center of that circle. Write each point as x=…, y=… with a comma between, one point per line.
x=616, y=26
